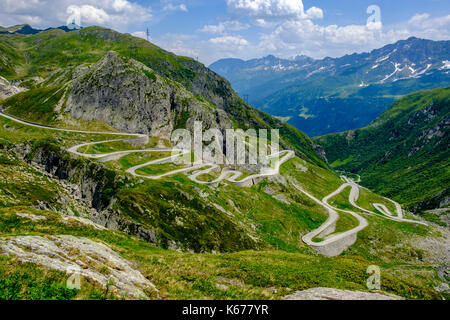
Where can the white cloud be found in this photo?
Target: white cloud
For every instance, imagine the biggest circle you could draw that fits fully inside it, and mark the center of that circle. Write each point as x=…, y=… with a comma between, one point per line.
x=11, y=6
x=294, y=36
x=418, y=18
x=304, y=36
x=180, y=44
x=424, y=21
x=90, y=14
x=272, y=9
x=314, y=13
x=140, y=34
x=295, y=32
x=121, y=5
x=172, y=7
x=229, y=41
x=224, y=27
x=117, y=14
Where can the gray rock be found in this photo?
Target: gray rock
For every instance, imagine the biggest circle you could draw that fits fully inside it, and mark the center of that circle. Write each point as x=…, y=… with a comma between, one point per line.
x=91, y=259
x=8, y=89
x=132, y=97
x=31, y=216
x=337, y=294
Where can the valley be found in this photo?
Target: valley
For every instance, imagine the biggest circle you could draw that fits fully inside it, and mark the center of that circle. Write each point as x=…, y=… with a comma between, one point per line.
x=403, y=154
x=338, y=94
x=89, y=171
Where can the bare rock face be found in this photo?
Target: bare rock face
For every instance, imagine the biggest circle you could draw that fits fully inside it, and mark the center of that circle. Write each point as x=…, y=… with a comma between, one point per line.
x=337, y=294
x=91, y=259
x=132, y=97
x=7, y=89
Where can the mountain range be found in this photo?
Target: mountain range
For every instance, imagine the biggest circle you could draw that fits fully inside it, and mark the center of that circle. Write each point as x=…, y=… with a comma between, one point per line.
x=27, y=29
x=338, y=94
x=404, y=154
x=89, y=181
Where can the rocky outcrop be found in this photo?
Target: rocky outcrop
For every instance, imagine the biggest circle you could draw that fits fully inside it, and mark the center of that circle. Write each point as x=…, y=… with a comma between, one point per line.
x=89, y=183
x=337, y=294
x=132, y=97
x=104, y=191
x=7, y=89
x=81, y=256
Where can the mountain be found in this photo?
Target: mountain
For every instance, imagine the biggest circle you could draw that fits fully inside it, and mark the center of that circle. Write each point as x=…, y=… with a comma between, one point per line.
x=404, y=153
x=89, y=45
x=90, y=182
x=338, y=94
x=27, y=29
x=19, y=29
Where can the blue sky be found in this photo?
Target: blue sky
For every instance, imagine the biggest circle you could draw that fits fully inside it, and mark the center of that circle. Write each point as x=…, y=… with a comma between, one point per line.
x=214, y=29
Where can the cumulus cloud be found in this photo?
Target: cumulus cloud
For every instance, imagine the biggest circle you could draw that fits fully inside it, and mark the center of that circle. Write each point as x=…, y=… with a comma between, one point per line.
x=314, y=13
x=224, y=27
x=304, y=36
x=229, y=41
x=294, y=30
x=140, y=34
x=180, y=44
x=424, y=21
x=272, y=9
x=117, y=14
x=418, y=18
x=172, y=7
x=88, y=14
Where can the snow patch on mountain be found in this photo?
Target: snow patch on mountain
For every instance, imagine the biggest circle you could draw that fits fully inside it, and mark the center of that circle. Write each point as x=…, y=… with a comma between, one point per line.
x=445, y=65
x=385, y=57
x=315, y=71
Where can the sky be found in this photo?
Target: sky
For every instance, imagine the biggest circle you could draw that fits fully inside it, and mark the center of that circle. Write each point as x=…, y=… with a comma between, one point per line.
x=213, y=29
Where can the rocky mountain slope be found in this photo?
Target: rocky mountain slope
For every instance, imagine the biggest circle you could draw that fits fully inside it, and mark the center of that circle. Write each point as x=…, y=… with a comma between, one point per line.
x=161, y=233
x=404, y=153
x=75, y=75
x=68, y=199
x=27, y=29
x=337, y=94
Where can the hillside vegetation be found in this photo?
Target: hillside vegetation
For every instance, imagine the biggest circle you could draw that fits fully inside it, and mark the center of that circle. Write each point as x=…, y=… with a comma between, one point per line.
x=69, y=199
x=337, y=94
x=57, y=58
x=191, y=241
x=404, y=154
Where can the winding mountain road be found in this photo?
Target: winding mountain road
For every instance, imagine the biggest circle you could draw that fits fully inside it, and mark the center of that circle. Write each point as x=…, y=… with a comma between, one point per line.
x=329, y=244
x=227, y=175
x=334, y=244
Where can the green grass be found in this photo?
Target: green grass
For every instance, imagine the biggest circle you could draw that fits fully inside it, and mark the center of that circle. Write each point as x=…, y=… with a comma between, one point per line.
x=257, y=237
x=158, y=169
x=319, y=181
x=56, y=51
x=194, y=276
x=107, y=147
x=35, y=105
x=404, y=154
x=346, y=221
x=367, y=198
x=28, y=281
x=12, y=132
x=137, y=158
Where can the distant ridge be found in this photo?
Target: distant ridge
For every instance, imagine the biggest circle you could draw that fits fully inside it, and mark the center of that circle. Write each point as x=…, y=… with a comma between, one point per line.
x=356, y=88
x=27, y=29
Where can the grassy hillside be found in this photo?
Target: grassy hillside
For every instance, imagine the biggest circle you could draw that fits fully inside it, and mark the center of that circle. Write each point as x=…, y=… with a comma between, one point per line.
x=267, y=220
x=53, y=53
x=403, y=154
x=191, y=240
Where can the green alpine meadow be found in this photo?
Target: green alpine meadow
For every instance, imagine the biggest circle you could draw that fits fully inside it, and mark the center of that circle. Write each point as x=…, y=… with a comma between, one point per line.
x=129, y=172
